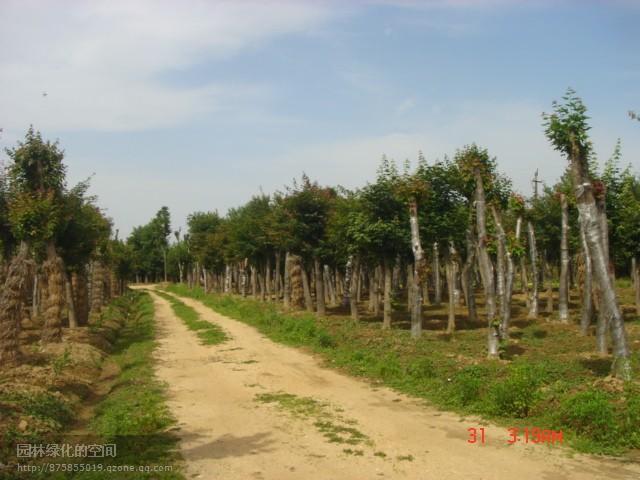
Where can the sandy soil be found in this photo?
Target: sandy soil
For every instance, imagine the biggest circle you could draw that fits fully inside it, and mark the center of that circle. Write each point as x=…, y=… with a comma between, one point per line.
x=226, y=434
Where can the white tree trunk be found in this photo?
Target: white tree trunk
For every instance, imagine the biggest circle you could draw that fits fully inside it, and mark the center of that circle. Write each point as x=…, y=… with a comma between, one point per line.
x=468, y=277
x=287, y=280
x=590, y=221
x=533, y=256
x=486, y=271
x=437, y=284
x=419, y=271
x=563, y=289
x=353, y=287
x=451, y=320
x=388, y=273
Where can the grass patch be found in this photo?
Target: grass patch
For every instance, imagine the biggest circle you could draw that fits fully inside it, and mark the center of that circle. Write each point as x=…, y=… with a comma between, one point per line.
x=134, y=415
x=551, y=365
x=327, y=420
x=405, y=458
x=356, y=453
x=208, y=333
x=298, y=406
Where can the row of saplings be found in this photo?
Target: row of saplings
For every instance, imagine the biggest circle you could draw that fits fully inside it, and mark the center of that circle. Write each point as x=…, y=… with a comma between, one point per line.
x=47, y=297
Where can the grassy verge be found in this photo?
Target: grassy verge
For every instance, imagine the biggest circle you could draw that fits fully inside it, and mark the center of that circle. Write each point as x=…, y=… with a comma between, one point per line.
x=550, y=381
x=209, y=333
x=134, y=415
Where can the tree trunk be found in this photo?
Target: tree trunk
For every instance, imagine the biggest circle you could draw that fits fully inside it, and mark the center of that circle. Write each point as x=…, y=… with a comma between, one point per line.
x=505, y=276
x=410, y=289
x=549, y=275
x=277, y=284
x=330, y=286
x=81, y=296
x=451, y=321
x=563, y=289
x=437, y=285
x=589, y=219
x=308, y=301
x=533, y=256
x=378, y=289
x=601, y=206
x=425, y=291
x=321, y=308
x=71, y=304
x=286, y=295
x=420, y=270
x=339, y=285
x=54, y=302
x=267, y=279
x=586, y=314
x=355, y=267
x=454, y=257
x=348, y=273
x=635, y=269
x=388, y=273
x=243, y=278
x=486, y=270
x=500, y=271
x=371, y=277
x=297, y=287
x=13, y=300
x=97, y=291
x=467, y=277
x=254, y=282
x=262, y=284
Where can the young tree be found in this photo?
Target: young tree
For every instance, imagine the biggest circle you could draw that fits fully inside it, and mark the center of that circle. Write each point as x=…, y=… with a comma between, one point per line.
x=479, y=170
x=567, y=130
x=37, y=180
x=413, y=189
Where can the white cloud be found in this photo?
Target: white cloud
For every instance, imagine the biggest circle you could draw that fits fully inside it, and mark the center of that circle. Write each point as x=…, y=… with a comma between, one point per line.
x=100, y=62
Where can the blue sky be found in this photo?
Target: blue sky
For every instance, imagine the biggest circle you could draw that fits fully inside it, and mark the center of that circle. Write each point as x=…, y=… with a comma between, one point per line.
x=199, y=104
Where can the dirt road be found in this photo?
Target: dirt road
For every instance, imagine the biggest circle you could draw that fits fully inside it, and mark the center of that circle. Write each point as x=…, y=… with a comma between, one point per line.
x=253, y=409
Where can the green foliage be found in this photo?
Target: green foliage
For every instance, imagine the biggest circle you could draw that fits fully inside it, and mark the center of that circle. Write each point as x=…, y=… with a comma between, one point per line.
x=149, y=244
x=307, y=208
x=33, y=217
x=422, y=368
x=84, y=230
x=46, y=406
x=62, y=361
x=590, y=413
x=472, y=160
x=467, y=384
x=35, y=185
x=518, y=393
x=37, y=165
x=567, y=126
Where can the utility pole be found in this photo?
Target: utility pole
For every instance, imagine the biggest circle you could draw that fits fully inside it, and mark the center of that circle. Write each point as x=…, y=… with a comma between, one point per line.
x=535, y=183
